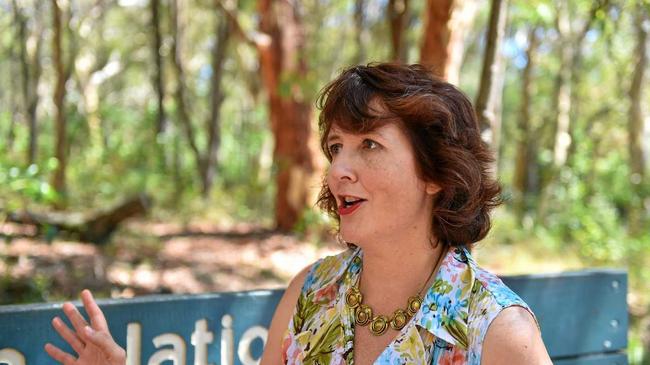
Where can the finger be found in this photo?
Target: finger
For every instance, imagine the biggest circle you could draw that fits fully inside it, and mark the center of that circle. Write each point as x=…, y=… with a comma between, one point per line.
x=67, y=334
x=77, y=320
x=59, y=355
x=97, y=318
x=104, y=342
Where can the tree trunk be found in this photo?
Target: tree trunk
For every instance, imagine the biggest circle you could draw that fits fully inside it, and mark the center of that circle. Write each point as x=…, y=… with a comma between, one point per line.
x=397, y=17
x=289, y=111
x=635, y=123
x=360, y=36
x=490, y=91
x=570, y=45
x=13, y=99
x=182, y=107
x=570, y=58
x=30, y=74
x=32, y=103
x=562, y=138
x=205, y=161
x=159, y=77
x=524, y=153
x=445, y=25
x=15, y=83
x=96, y=227
x=92, y=73
x=21, y=23
x=58, y=181
x=222, y=36
x=576, y=65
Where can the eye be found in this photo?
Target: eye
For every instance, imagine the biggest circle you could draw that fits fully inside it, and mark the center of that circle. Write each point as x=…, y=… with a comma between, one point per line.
x=370, y=144
x=334, y=148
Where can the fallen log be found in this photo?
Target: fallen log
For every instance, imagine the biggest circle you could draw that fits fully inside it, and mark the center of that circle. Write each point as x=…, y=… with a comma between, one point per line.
x=96, y=227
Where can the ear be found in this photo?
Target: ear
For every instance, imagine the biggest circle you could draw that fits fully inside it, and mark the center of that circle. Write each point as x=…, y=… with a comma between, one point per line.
x=432, y=188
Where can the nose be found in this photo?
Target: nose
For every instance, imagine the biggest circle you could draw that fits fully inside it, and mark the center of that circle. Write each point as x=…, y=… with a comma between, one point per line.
x=342, y=169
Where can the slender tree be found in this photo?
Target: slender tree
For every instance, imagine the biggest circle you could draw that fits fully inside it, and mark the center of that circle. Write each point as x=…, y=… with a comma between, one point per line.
x=445, y=25
x=635, y=120
x=524, y=152
x=488, y=100
x=30, y=71
x=569, y=48
x=182, y=102
x=570, y=55
x=283, y=64
x=205, y=160
x=94, y=66
x=158, y=74
x=360, y=36
x=398, y=16
x=223, y=31
x=59, y=178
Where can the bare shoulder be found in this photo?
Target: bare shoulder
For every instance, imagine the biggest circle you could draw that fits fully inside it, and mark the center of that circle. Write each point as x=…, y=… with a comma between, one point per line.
x=513, y=338
x=280, y=322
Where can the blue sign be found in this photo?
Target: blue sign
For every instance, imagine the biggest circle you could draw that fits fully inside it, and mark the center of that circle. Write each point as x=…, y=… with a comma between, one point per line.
x=224, y=328
x=583, y=317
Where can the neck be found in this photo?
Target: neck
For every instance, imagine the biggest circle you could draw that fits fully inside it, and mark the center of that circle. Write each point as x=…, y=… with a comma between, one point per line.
x=397, y=269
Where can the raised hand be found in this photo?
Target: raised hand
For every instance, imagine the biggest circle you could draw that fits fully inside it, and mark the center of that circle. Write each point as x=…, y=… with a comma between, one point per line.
x=92, y=342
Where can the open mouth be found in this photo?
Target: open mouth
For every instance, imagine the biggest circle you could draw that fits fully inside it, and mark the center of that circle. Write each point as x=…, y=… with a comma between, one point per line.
x=349, y=204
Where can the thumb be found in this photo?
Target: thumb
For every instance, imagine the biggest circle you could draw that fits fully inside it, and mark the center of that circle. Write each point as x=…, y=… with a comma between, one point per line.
x=105, y=343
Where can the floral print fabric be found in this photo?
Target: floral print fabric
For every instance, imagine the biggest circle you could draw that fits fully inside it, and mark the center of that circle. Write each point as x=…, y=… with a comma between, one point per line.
x=448, y=330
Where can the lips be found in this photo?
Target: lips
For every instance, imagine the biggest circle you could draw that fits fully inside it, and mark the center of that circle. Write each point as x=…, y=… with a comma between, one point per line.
x=349, y=204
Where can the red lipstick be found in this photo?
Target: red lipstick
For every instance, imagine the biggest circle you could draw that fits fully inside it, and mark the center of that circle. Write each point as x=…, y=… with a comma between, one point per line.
x=349, y=209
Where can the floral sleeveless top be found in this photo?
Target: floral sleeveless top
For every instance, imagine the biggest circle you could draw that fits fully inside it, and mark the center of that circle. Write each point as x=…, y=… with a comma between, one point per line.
x=448, y=330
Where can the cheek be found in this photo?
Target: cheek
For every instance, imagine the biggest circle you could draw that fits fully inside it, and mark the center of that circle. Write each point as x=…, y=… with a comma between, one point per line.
x=374, y=162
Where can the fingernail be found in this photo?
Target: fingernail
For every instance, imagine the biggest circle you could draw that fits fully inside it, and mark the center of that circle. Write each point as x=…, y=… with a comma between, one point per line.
x=89, y=331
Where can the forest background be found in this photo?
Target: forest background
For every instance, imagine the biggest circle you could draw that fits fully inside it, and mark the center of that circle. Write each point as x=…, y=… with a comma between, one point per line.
x=201, y=113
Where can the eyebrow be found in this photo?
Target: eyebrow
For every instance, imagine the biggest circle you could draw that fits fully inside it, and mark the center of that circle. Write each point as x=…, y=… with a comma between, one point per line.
x=333, y=137
x=375, y=132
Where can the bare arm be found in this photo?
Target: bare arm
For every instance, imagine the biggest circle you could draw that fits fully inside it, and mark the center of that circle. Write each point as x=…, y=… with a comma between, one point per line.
x=513, y=338
x=273, y=349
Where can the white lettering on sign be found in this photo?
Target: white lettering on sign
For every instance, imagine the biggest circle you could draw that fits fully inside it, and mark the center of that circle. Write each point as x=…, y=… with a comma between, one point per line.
x=133, y=341
x=11, y=357
x=200, y=339
x=244, y=348
x=227, y=341
x=176, y=354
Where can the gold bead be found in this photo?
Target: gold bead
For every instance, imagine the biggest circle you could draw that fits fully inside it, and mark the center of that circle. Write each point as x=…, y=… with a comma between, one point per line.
x=400, y=317
x=379, y=325
x=414, y=304
x=363, y=315
x=353, y=297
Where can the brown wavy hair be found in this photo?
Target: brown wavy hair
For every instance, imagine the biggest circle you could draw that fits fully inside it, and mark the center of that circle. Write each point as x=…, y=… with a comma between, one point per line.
x=441, y=124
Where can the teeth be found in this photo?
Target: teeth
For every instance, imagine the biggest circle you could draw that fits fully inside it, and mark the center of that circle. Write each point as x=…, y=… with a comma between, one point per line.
x=349, y=199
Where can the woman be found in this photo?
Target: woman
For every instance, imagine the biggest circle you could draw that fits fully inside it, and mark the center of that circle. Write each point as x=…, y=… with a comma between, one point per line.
x=410, y=185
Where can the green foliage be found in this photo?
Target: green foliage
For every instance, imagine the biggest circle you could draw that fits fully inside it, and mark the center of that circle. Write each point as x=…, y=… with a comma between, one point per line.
x=22, y=186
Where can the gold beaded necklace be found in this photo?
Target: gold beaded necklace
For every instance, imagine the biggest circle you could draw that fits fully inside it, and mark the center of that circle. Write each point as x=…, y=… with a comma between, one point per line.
x=363, y=313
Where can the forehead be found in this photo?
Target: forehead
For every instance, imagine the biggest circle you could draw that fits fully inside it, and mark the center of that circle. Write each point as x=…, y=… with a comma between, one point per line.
x=384, y=130
x=375, y=116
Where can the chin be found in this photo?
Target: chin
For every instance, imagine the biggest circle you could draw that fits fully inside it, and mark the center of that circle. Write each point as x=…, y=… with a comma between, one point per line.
x=351, y=236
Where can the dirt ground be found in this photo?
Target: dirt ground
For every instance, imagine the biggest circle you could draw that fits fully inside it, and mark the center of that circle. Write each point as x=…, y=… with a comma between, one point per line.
x=151, y=258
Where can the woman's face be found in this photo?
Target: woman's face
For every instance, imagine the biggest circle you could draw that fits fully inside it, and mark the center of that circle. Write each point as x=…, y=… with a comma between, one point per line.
x=373, y=178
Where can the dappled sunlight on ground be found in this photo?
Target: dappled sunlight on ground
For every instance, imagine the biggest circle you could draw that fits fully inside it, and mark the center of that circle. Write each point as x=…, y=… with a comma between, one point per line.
x=147, y=258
